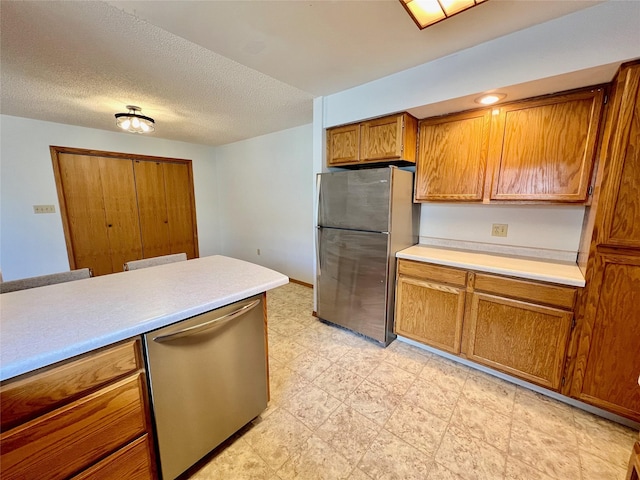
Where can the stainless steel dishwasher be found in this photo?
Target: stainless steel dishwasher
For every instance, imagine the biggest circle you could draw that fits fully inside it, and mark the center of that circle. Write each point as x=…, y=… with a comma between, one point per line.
x=208, y=378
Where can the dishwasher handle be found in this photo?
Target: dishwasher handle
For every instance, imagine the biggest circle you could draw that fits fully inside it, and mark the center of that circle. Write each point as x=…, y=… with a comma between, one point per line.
x=195, y=329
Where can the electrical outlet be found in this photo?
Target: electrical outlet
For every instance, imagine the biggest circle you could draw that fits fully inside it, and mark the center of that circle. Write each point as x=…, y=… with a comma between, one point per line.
x=44, y=209
x=258, y=251
x=499, y=230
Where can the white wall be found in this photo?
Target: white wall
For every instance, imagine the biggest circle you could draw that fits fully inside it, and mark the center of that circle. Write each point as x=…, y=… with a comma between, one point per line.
x=266, y=201
x=33, y=244
x=551, y=227
x=604, y=34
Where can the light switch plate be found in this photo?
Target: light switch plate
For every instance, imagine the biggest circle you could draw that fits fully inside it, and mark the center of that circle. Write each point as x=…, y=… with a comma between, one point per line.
x=44, y=209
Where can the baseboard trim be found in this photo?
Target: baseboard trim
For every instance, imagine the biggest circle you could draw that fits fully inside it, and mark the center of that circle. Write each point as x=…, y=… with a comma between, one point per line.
x=300, y=282
x=555, y=395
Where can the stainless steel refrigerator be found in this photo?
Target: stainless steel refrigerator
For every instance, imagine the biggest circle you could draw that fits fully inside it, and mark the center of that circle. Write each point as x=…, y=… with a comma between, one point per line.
x=364, y=218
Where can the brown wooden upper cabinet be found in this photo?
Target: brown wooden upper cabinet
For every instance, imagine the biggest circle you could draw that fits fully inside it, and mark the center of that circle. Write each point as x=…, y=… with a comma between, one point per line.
x=621, y=197
x=452, y=156
x=117, y=207
x=536, y=150
x=544, y=149
x=386, y=139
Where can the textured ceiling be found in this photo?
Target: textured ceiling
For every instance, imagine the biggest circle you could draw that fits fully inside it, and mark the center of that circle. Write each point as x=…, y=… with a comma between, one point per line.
x=215, y=72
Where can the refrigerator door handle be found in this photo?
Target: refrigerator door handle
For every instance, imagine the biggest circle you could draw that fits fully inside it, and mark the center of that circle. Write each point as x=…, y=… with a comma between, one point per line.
x=318, y=267
x=317, y=212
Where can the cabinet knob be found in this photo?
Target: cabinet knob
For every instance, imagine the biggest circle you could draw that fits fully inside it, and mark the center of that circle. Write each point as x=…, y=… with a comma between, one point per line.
x=109, y=225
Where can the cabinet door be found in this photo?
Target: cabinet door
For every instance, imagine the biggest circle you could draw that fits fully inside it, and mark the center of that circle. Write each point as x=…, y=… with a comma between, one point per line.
x=81, y=199
x=101, y=211
x=343, y=145
x=382, y=139
x=121, y=211
x=152, y=208
x=180, y=209
x=544, y=149
x=622, y=198
x=430, y=313
x=607, y=368
x=452, y=157
x=519, y=338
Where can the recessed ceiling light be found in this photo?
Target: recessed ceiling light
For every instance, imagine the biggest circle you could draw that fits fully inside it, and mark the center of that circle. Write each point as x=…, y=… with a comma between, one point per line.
x=490, y=98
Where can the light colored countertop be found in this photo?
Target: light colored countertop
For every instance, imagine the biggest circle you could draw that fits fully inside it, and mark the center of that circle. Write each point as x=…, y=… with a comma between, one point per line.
x=41, y=326
x=565, y=273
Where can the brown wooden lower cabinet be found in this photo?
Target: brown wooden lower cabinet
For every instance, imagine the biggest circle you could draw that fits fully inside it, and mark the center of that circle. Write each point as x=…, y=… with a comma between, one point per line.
x=607, y=368
x=519, y=338
x=131, y=462
x=90, y=412
x=440, y=296
x=516, y=326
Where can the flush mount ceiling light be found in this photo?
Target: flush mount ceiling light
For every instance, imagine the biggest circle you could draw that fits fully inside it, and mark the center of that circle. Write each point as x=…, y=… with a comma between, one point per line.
x=134, y=122
x=490, y=98
x=428, y=12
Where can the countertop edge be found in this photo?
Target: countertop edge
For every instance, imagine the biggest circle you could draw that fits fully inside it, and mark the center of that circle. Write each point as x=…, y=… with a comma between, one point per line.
x=428, y=254
x=7, y=372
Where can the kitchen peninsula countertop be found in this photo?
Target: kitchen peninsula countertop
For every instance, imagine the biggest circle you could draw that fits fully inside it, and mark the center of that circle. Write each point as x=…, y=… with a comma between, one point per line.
x=565, y=273
x=42, y=326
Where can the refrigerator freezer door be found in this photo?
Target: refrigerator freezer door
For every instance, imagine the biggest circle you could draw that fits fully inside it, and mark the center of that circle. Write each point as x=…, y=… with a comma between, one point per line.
x=356, y=199
x=352, y=280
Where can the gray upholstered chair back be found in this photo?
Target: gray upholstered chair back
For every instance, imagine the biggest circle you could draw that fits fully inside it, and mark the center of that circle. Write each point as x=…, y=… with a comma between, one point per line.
x=153, y=261
x=43, y=280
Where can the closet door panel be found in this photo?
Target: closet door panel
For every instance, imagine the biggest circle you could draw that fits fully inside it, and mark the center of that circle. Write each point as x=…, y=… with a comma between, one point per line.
x=85, y=212
x=121, y=210
x=180, y=211
x=152, y=208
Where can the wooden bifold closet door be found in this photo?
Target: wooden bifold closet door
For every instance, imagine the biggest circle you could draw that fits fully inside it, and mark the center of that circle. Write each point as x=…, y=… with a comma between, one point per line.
x=118, y=207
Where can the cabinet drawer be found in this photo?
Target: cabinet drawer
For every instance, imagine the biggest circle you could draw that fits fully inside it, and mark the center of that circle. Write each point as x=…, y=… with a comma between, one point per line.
x=72, y=437
x=25, y=398
x=556, y=295
x=428, y=271
x=131, y=462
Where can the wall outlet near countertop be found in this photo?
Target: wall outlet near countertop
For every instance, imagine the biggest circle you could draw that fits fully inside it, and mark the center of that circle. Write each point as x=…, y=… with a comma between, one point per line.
x=258, y=251
x=499, y=230
x=44, y=209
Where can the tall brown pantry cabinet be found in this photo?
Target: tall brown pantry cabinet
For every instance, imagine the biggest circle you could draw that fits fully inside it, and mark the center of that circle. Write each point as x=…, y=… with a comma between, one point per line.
x=607, y=362
x=118, y=207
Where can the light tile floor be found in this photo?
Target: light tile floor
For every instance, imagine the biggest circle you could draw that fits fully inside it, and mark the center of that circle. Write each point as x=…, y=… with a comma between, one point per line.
x=343, y=407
